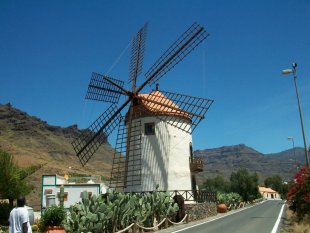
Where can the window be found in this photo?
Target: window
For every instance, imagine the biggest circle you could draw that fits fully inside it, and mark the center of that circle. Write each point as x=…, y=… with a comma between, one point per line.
x=149, y=128
x=89, y=194
x=48, y=191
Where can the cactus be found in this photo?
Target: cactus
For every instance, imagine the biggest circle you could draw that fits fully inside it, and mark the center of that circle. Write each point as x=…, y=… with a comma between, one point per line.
x=118, y=210
x=230, y=199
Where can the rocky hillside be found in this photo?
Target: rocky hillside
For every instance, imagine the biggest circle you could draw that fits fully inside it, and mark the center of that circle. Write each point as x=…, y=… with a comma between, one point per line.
x=224, y=160
x=32, y=141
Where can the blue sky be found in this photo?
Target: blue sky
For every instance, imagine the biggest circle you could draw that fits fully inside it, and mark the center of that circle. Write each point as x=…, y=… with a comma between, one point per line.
x=48, y=50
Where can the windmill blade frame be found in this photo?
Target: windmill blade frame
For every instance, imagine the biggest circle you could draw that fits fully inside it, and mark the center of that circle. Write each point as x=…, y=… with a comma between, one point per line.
x=185, y=44
x=127, y=164
x=96, y=134
x=105, y=89
x=137, y=54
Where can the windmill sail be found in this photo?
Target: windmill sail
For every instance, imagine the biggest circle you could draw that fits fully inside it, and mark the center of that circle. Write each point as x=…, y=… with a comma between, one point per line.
x=102, y=90
x=126, y=168
x=96, y=134
x=137, y=54
x=187, y=42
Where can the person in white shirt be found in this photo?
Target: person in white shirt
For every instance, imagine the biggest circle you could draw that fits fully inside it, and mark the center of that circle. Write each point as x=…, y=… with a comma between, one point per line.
x=19, y=218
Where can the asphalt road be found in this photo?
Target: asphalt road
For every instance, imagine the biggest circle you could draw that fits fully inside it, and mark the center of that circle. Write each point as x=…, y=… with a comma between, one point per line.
x=260, y=218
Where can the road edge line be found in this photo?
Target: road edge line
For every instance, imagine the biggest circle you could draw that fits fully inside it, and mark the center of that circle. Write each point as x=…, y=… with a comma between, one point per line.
x=276, y=225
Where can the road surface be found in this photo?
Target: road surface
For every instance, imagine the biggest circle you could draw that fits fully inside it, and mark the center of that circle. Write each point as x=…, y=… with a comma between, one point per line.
x=260, y=218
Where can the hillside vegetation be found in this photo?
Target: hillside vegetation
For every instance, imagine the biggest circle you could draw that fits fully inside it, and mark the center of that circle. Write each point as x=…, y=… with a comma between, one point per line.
x=32, y=141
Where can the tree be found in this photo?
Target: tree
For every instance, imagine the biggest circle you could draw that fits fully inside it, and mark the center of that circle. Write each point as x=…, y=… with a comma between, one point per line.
x=245, y=184
x=276, y=183
x=285, y=188
x=12, y=184
x=216, y=184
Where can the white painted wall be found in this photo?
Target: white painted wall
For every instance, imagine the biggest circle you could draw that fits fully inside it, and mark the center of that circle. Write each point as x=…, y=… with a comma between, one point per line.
x=270, y=195
x=49, y=180
x=164, y=157
x=51, y=187
x=74, y=193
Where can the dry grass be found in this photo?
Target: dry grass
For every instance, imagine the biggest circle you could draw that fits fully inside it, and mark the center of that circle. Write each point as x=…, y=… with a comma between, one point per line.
x=291, y=225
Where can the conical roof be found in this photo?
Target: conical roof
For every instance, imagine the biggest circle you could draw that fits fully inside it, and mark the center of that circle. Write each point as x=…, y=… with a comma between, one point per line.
x=157, y=104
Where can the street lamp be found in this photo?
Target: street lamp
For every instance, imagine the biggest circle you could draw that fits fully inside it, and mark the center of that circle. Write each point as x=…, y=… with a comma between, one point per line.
x=292, y=139
x=293, y=71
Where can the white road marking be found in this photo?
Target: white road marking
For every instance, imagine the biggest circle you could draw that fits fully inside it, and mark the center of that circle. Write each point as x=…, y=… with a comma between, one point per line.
x=276, y=225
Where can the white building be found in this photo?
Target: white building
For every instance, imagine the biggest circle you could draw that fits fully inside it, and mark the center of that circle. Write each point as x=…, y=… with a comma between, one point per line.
x=268, y=193
x=72, y=191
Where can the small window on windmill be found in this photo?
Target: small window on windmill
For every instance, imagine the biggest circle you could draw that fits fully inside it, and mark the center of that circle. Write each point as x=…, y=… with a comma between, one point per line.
x=149, y=128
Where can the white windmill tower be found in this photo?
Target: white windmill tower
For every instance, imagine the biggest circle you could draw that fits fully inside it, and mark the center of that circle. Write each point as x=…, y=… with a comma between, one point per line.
x=154, y=139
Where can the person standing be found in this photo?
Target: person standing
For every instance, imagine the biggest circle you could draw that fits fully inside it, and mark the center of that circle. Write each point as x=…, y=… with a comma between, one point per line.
x=19, y=218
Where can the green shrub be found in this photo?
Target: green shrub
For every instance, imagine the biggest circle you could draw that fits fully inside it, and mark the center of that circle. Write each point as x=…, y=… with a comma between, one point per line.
x=53, y=216
x=5, y=209
x=229, y=199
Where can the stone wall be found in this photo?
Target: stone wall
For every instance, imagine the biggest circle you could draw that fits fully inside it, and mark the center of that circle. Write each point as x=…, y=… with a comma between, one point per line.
x=200, y=210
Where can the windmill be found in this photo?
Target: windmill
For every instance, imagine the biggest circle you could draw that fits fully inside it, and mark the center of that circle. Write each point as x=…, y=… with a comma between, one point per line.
x=152, y=146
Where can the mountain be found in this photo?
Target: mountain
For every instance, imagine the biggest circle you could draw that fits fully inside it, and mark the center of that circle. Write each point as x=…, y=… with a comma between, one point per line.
x=34, y=142
x=224, y=160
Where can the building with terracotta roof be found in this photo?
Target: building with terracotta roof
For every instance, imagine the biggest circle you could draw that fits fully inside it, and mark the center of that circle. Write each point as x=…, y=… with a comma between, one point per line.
x=269, y=193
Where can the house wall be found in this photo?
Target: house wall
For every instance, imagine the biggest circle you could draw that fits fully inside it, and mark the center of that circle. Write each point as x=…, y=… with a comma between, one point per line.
x=164, y=158
x=51, y=189
x=267, y=195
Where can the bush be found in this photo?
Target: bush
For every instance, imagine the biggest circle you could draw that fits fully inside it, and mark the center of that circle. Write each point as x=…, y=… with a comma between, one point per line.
x=299, y=193
x=53, y=216
x=217, y=184
x=5, y=209
x=229, y=199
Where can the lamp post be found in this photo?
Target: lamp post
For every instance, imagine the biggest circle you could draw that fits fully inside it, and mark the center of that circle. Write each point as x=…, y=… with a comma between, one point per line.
x=292, y=139
x=293, y=71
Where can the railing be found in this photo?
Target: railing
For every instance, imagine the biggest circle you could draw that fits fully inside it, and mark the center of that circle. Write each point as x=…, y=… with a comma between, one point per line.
x=195, y=195
x=191, y=195
x=164, y=224
x=196, y=165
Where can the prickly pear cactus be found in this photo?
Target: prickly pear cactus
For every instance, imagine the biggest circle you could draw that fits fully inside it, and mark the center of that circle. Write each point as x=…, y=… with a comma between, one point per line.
x=118, y=210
